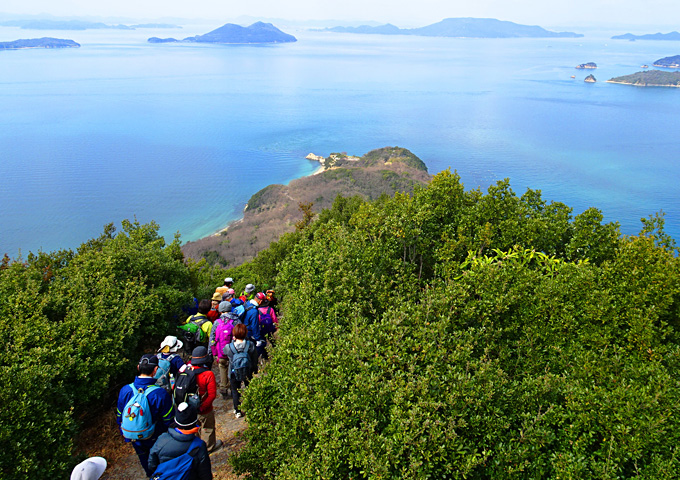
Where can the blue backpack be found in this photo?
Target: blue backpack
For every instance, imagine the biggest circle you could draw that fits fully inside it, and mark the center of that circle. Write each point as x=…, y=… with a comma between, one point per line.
x=137, y=423
x=179, y=468
x=163, y=372
x=240, y=362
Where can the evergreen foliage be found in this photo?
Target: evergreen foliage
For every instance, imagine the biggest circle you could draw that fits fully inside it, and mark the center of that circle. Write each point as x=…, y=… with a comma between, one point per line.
x=456, y=334
x=74, y=325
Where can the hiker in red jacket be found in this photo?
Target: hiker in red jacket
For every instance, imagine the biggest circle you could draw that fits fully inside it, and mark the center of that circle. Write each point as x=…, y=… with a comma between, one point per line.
x=207, y=390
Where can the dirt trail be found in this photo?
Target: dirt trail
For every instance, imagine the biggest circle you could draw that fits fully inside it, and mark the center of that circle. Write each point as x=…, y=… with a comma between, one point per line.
x=226, y=428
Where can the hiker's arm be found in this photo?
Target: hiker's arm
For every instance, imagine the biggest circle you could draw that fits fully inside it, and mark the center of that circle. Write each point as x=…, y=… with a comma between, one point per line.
x=211, y=393
x=204, y=467
x=167, y=409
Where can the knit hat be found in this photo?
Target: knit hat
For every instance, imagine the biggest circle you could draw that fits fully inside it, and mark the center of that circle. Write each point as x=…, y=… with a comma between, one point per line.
x=217, y=297
x=186, y=416
x=225, y=307
x=170, y=345
x=90, y=469
x=149, y=358
x=199, y=356
x=250, y=288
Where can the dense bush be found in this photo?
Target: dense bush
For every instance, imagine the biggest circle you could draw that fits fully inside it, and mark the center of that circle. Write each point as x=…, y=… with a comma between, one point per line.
x=458, y=334
x=73, y=326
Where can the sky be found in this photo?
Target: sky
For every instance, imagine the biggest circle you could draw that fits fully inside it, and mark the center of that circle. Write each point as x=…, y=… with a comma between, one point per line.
x=402, y=13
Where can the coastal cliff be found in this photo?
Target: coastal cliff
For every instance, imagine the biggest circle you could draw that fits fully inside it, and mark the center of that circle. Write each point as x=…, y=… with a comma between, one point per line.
x=274, y=210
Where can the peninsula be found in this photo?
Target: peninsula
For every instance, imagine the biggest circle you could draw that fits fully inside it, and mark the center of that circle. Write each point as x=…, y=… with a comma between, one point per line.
x=273, y=211
x=463, y=28
x=649, y=78
x=649, y=36
x=258, y=32
x=45, y=42
x=668, y=62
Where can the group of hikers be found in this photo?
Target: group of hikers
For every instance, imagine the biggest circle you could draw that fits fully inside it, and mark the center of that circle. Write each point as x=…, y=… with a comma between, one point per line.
x=167, y=411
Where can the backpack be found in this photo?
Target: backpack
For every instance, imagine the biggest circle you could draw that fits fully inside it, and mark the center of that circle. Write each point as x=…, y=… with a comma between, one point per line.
x=163, y=373
x=246, y=309
x=223, y=331
x=193, y=333
x=266, y=321
x=186, y=385
x=240, y=362
x=137, y=423
x=179, y=468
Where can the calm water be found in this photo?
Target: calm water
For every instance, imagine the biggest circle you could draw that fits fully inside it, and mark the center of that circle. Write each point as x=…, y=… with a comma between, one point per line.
x=185, y=134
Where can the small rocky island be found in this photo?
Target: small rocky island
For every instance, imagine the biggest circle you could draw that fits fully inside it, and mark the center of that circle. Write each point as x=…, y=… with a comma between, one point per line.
x=45, y=42
x=258, y=32
x=588, y=66
x=590, y=79
x=668, y=62
x=650, y=78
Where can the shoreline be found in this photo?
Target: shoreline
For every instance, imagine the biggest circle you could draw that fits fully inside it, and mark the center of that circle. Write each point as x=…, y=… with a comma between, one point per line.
x=641, y=85
x=225, y=229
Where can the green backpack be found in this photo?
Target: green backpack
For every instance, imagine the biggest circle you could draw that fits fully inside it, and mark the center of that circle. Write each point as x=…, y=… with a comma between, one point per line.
x=193, y=333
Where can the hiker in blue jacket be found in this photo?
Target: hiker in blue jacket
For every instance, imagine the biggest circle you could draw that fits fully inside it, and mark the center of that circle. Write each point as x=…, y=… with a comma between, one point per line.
x=160, y=403
x=178, y=440
x=252, y=323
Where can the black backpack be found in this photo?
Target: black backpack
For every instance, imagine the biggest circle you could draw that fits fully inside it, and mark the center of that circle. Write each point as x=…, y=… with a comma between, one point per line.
x=186, y=385
x=246, y=309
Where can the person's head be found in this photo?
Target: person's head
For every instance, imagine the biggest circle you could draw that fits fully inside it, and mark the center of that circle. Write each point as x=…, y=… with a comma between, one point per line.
x=204, y=306
x=186, y=416
x=90, y=469
x=170, y=345
x=147, y=365
x=250, y=288
x=225, y=307
x=228, y=282
x=260, y=297
x=270, y=295
x=240, y=331
x=199, y=356
x=216, y=299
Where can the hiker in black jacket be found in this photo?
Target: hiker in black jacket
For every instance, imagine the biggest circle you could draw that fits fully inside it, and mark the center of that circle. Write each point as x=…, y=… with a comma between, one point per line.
x=177, y=440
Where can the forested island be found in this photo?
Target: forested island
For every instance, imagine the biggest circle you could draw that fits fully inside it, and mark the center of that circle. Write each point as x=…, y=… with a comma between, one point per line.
x=649, y=36
x=649, y=78
x=590, y=79
x=589, y=65
x=668, y=62
x=45, y=42
x=464, y=28
x=258, y=32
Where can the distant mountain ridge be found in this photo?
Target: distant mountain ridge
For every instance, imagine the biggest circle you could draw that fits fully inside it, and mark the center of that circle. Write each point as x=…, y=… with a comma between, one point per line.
x=258, y=32
x=45, y=42
x=38, y=24
x=463, y=27
x=649, y=36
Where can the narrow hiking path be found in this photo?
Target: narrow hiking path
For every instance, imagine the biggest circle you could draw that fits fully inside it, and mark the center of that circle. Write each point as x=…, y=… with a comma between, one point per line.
x=226, y=426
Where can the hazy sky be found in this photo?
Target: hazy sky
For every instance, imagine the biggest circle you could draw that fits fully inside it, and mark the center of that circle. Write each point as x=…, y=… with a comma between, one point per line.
x=400, y=12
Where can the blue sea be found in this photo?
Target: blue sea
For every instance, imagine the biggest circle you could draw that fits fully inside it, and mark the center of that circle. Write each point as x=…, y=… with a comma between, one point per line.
x=184, y=134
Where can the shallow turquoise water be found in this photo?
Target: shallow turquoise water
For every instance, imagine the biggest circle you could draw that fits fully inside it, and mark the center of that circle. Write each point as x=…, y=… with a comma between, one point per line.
x=185, y=134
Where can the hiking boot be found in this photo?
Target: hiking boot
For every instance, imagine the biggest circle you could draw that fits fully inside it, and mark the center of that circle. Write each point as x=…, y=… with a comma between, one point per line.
x=238, y=415
x=218, y=445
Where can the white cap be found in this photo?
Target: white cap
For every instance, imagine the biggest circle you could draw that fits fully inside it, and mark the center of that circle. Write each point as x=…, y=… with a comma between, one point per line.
x=90, y=469
x=228, y=280
x=172, y=343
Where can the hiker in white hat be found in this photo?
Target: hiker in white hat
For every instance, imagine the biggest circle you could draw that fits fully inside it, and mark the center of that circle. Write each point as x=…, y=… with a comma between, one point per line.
x=90, y=469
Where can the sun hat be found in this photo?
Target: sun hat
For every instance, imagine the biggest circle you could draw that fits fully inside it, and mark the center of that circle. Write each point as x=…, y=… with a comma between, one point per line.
x=90, y=469
x=217, y=297
x=250, y=288
x=228, y=280
x=170, y=344
x=199, y=356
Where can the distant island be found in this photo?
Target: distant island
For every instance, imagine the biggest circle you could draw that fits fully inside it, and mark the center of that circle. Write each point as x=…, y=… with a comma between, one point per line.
x=61, y=25
x=258, y=32
x=45, y=42
x=589, y=65
x=649, y=36
x=155, y=25
x=463, y=28
x=649, y=78
x=590, y=79
x=668, y=62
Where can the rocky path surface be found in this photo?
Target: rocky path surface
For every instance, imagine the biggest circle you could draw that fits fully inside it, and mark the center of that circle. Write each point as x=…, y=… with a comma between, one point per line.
x=227, y=428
